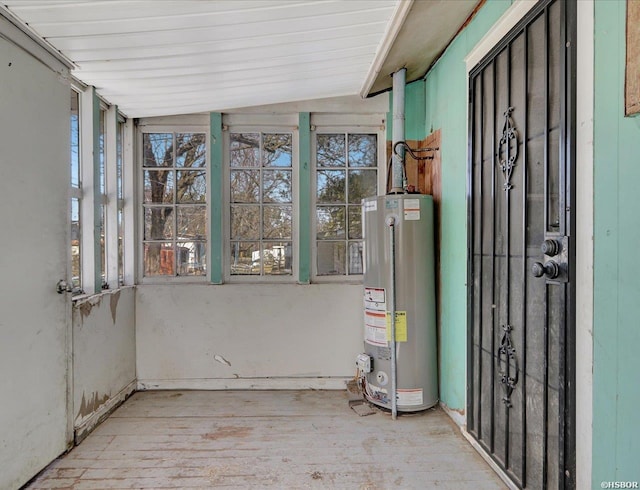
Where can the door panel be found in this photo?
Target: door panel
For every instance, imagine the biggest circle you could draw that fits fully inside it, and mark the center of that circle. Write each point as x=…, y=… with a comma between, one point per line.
x=519, y=396
x=34, y=142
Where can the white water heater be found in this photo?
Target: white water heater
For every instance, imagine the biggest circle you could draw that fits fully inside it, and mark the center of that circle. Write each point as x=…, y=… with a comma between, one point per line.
x=399, y=282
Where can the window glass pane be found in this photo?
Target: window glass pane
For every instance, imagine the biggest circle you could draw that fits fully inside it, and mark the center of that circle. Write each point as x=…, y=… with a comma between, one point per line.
x=159, y=259
x=158, y=186
x=330, y=150
x=330, y=222
x=157, y=149
x=158, y=223
x=331, y=259
x=355, y=258
x=276, y=222
x=245, y=222
x=276, y=185
x=192, y=186
x=244, y=150
x=276, y=150
x=245, y=186
x=76, y=264
x=120, y=249
x=355, y=222
x=339, y=193
x=330, y=186
x=181, y=186
x=75, y=139
x=119, y=150
x=102, y=151
x=276, y=259
x=362, y=183
x=192, y=222
x=103, y=210
x=191, y=258
x=119, y=195
x=363, y=150
x=191, y=150
x=245, y=258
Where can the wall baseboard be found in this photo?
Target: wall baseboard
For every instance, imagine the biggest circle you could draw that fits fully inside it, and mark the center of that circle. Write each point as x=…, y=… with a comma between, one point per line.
x=244, y=384
x=87, y=424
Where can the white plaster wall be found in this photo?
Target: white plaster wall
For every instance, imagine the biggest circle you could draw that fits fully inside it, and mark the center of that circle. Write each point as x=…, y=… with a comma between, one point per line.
x=104, y=365
x=264, y=335
x=34, y=181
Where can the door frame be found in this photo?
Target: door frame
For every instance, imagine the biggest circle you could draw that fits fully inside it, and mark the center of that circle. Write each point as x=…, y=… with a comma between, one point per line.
x=583, y=232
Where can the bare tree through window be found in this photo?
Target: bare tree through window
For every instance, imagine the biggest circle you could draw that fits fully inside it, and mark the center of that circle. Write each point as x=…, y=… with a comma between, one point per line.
x=174, y=201
x=346, y=173
x=261, y=194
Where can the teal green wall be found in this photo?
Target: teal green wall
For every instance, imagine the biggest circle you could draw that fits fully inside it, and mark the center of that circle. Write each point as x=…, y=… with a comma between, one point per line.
x=616, y=330
x=444, y=96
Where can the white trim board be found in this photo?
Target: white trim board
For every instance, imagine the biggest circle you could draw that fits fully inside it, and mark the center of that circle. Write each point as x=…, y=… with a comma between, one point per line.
x=244, y=384
x=584, y=242
x=500, y=29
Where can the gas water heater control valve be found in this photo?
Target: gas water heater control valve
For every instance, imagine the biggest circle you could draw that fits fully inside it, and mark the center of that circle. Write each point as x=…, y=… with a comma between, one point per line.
x=364, y=363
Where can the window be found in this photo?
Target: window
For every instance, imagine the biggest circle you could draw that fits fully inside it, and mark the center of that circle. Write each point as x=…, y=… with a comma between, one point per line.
x=345, y=173
x=76, y=194
x=103, y=207
x=174, y=204
x=120, y=196
x=261, y=209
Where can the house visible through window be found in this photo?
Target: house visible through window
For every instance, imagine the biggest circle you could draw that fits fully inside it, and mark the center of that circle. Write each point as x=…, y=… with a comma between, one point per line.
x=174, y=204
x=261, y=213
x=346, y=172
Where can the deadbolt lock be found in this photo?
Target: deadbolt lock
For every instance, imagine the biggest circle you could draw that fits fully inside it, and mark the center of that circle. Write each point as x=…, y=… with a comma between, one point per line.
x=551, y=247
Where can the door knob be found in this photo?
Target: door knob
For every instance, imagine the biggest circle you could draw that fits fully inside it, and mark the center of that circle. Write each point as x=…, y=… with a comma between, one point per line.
x=551, y=269
x=62, y=287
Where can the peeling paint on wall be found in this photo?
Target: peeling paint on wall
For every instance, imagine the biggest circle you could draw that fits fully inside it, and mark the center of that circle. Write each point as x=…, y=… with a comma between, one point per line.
x=86, y=306
x=115, y=297
x=88, y=407
x=221, y=360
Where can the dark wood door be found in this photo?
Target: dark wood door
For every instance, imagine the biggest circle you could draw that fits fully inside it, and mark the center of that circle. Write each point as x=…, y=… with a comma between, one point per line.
x=521, y=322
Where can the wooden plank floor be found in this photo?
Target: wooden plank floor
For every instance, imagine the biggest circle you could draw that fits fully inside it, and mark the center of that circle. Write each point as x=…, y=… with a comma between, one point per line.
x=267, y=439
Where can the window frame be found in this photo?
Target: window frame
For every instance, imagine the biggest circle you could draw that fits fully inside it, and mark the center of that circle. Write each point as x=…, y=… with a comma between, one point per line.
x=75, y=193
x=276, y=128
x=346, y=129
x=139, y=165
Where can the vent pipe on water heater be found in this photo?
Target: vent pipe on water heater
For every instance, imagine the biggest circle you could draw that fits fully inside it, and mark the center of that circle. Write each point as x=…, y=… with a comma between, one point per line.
x=397, y=162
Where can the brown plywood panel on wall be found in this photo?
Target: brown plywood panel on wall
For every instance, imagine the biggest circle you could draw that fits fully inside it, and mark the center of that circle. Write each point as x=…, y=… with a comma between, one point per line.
x=632, y=72
x=433, y=178
x=421, y=173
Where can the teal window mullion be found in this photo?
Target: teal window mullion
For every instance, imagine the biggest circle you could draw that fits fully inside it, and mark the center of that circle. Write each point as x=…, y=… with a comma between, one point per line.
x=304, y=193
x=217, y=200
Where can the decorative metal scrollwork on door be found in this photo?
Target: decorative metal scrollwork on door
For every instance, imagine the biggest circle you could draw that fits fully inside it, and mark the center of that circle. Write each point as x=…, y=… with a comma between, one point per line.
x=507, y=360
x=508, y=148
x=508, y=369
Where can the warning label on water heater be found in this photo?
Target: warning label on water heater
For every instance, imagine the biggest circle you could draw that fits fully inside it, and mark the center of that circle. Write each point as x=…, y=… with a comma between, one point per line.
x=375, y=316
x=412, y=209
x=409, y=397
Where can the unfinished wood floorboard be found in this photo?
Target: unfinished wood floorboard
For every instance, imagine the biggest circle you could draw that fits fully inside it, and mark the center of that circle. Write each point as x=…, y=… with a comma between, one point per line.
x=267, y=439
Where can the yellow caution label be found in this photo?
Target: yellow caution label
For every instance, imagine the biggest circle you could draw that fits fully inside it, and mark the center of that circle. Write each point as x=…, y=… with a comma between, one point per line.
x=401, y=326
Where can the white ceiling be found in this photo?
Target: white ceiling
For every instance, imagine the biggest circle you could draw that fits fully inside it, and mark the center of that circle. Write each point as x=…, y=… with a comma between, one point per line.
x=167, y=57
